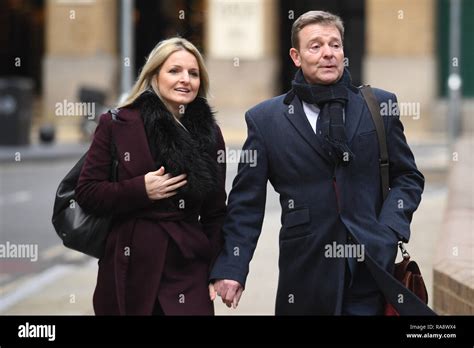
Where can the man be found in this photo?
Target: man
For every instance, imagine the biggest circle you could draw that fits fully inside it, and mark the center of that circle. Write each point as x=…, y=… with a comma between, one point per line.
x=318, y=147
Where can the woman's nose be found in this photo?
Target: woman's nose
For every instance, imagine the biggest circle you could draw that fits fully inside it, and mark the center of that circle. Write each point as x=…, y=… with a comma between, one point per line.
x=184, y=77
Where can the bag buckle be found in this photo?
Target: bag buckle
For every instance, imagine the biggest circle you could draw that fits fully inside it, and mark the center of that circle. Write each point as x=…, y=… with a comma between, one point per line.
x=404, y=251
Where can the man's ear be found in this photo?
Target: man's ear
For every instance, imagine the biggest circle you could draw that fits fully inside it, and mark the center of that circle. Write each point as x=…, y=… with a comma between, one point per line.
x=295, y=56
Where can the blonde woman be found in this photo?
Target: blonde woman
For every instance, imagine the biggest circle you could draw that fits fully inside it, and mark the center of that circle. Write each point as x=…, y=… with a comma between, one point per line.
x=169, y=202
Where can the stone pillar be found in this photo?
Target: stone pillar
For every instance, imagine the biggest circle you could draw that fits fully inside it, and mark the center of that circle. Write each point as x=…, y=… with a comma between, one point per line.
x=81, y=50
x=240, y=41
x=400, y=36
x=453, y=264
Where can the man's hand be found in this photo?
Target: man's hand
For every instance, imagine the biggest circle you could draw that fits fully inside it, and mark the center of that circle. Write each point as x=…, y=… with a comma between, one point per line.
x=229, y=290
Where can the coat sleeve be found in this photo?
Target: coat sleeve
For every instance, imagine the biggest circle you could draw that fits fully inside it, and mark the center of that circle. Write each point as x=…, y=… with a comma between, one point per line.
x=213, y=211
x=406, y=181
x=94, y=192
x=246, y=209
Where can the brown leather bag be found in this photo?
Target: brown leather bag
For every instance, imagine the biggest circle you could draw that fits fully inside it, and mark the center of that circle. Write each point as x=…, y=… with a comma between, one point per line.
x=407, y=271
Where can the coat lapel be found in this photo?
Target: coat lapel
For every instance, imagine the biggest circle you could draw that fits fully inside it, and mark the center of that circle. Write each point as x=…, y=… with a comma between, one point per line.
x=295, y=114
x=354, y=109
x=132, y=144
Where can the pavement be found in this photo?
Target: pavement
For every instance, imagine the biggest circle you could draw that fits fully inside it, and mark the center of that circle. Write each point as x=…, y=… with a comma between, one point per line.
x=67, y=286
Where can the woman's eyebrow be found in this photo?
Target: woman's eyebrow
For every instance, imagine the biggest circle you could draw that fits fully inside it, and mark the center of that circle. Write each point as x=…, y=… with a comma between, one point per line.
x=180, y=66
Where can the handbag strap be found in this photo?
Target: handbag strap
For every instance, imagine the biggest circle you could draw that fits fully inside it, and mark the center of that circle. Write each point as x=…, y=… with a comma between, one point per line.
x=374, y=108
x=114, y=113
x=113, y=149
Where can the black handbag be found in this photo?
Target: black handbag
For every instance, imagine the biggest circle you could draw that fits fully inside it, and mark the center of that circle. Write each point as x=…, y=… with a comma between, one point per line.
x=77, y=229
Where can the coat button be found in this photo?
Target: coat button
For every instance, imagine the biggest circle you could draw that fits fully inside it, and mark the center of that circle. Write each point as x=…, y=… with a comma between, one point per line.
x=349, y=238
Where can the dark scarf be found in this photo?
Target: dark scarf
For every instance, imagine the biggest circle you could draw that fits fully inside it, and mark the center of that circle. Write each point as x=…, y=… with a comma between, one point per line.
x=179, y=151
x=331, y=100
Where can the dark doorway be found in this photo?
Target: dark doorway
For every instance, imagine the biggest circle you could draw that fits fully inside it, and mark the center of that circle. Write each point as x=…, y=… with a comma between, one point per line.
x=158, y=20
x=21, y=39
x=352, y=14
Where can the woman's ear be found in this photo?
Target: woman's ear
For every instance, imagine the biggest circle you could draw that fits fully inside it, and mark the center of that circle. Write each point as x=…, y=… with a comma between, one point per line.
x=295, y=56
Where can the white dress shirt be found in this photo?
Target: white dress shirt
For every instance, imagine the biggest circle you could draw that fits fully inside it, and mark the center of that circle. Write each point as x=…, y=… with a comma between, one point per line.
x=312, y=112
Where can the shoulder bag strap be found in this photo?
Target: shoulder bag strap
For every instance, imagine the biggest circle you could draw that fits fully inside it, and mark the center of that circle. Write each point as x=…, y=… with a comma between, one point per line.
x=374, y=109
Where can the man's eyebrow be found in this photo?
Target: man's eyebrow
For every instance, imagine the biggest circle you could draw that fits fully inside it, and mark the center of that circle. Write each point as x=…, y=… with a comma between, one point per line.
x=320, y=38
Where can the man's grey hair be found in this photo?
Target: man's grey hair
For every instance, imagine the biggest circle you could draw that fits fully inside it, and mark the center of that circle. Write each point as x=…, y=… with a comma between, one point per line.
x=315, y=17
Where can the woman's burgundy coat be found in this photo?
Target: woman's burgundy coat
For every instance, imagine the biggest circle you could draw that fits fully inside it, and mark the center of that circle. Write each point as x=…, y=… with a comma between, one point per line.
x=144, y=235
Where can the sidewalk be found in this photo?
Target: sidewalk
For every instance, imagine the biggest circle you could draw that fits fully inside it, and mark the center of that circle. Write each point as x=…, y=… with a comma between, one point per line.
x=67, y=288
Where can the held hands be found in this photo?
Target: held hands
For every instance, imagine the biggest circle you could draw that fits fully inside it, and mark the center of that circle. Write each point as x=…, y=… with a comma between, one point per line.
x=229, y=290
x=160, y=185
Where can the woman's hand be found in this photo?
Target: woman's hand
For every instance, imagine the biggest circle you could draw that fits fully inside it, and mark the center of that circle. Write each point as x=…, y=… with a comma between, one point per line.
x=160, y=185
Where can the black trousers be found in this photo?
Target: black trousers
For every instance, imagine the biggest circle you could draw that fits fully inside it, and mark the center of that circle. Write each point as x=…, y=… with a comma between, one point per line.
x=361, y=294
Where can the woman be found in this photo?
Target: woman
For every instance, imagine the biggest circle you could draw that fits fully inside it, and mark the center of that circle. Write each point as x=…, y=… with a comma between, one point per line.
x=169, y=202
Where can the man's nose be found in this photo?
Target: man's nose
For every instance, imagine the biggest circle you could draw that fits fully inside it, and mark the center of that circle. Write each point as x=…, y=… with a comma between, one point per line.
x=327, y=51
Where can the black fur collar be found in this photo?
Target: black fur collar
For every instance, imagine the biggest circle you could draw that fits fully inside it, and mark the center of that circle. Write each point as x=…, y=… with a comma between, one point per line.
x=192, y=152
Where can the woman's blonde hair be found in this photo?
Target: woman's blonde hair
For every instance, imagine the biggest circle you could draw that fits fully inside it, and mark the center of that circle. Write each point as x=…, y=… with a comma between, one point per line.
x=153, y=64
